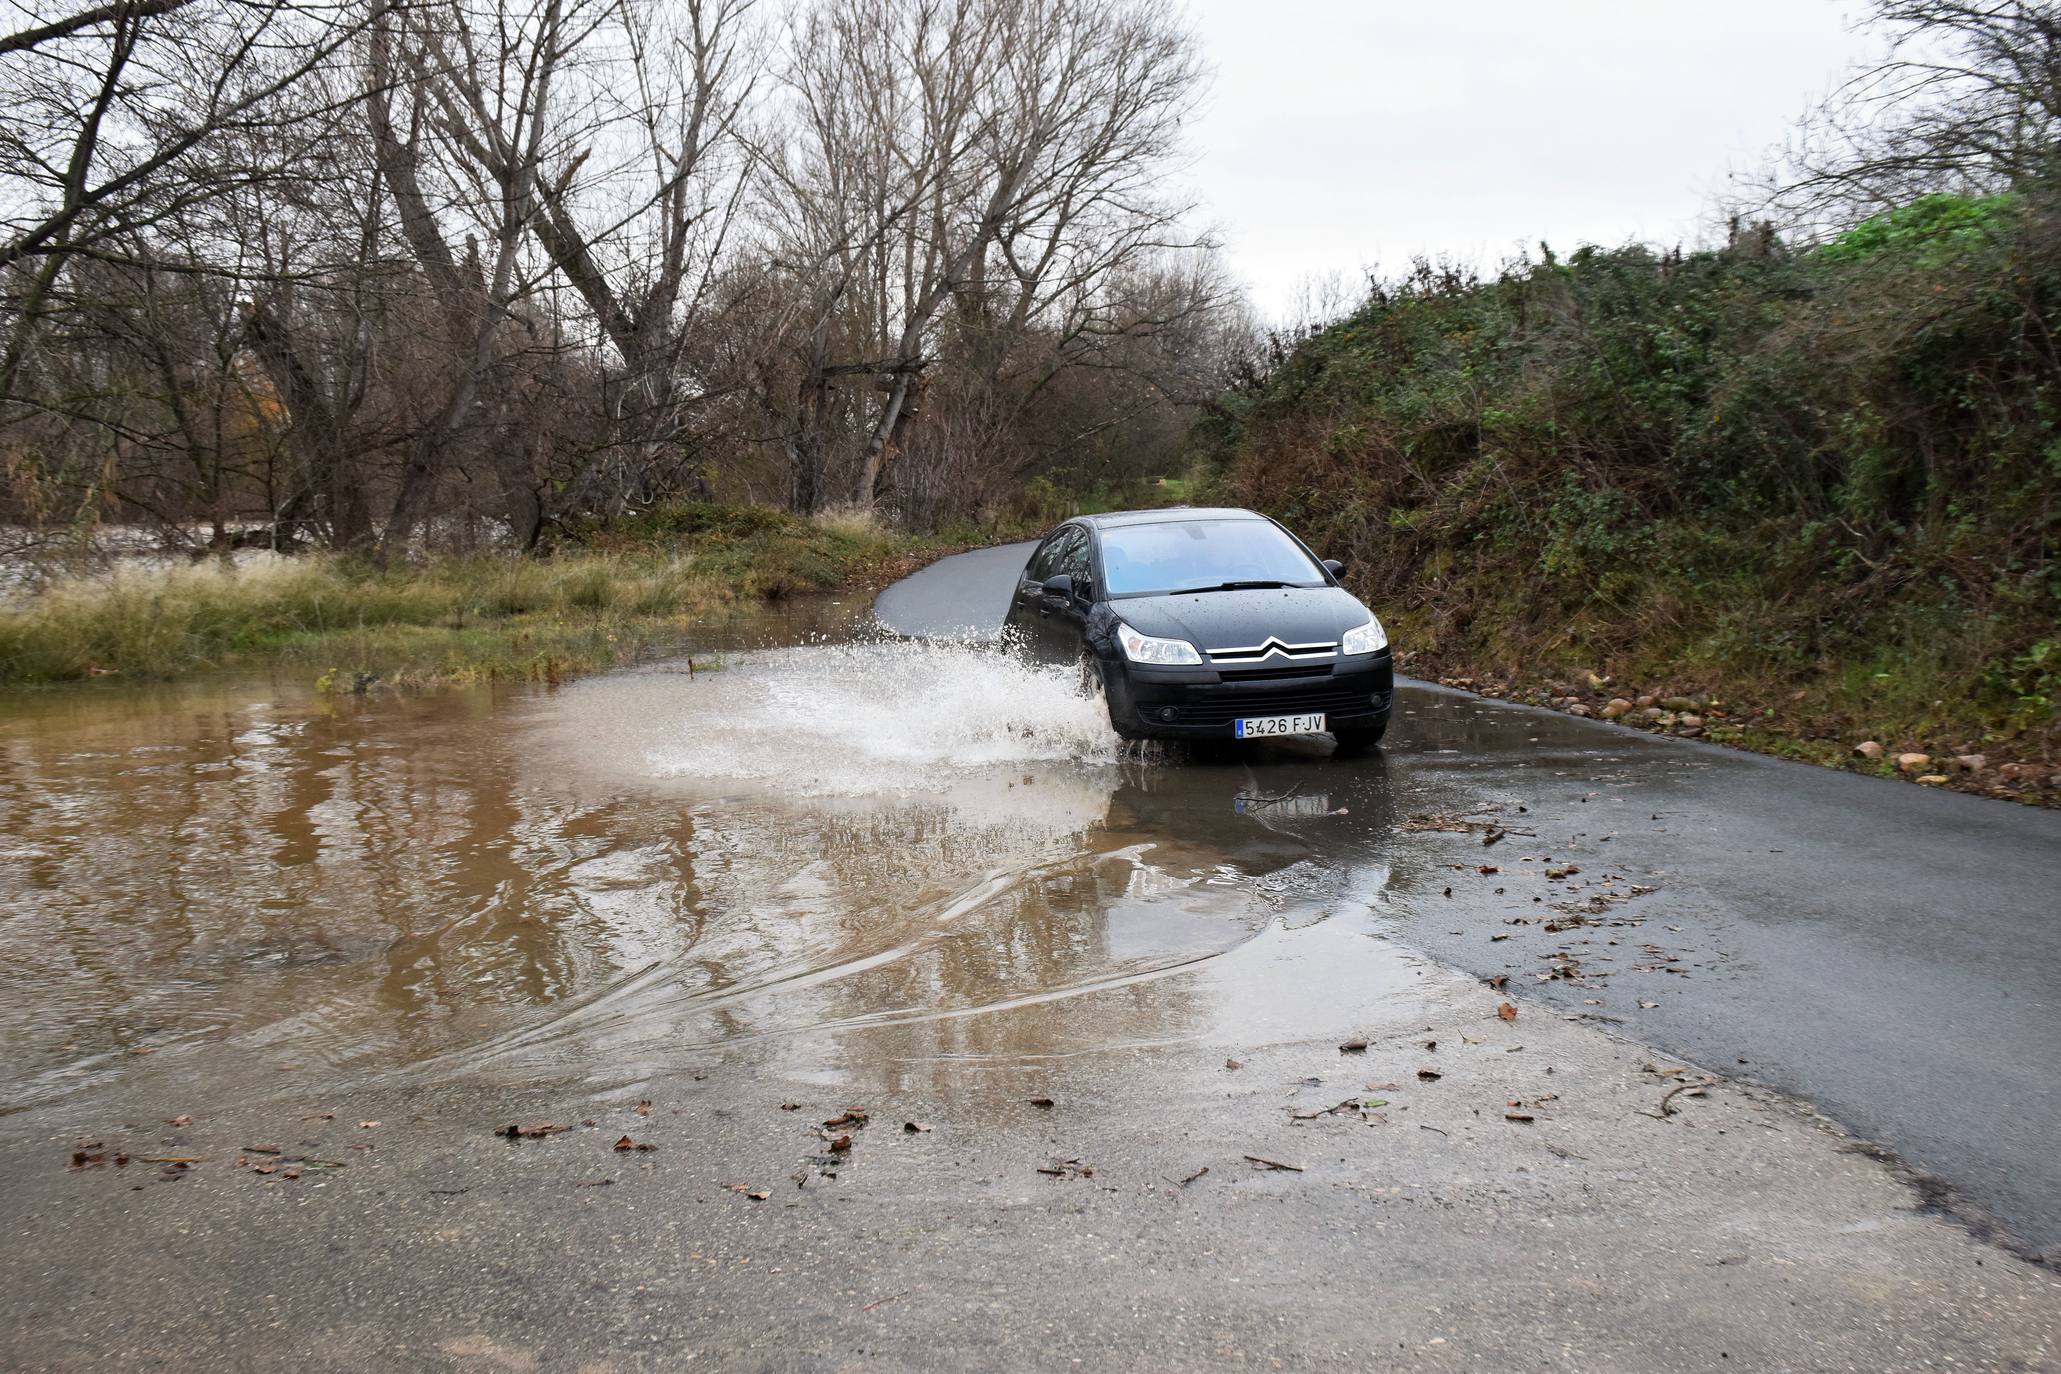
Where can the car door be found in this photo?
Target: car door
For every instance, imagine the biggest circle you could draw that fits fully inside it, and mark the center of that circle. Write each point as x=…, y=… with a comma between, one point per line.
x=1028, y=613
x=1066, y=618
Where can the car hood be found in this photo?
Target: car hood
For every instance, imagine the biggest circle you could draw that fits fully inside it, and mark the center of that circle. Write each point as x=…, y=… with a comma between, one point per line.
x=1243, y=619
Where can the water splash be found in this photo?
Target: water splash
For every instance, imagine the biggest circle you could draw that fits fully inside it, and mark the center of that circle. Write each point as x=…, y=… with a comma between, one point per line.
x=868, y=719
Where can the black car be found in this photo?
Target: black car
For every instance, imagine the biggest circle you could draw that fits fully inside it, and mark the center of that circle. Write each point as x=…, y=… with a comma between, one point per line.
x=1206, y=624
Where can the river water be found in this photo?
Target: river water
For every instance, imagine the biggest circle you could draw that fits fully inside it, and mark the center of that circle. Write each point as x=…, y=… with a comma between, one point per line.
x=835, y=833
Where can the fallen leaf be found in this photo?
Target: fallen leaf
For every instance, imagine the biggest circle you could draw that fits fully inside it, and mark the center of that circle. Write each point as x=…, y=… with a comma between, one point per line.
x=1234, y=1064
x=627, y=1144
x=86, y=1142
x=1499, y=980
x=1486, y=869
x=851, y=1116
x=368, y=1125
x=838, y=1144
x=1429, y=1075
x=1517, y=1116
x=915, y=1127
x=1507, y=1012
x=1045, y=1102
x=121, y=1161
x=1645, y=1005
x=83, y=1159
x=537, y=1131
x=643, y=1108
x=758, y=1195
x=183, y=1119
x=790, y=1106
x=1353, y=1047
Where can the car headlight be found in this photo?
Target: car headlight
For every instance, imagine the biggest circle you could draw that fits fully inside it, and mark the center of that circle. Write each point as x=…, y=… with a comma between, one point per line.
x=1365, y=640
x=1145, y=649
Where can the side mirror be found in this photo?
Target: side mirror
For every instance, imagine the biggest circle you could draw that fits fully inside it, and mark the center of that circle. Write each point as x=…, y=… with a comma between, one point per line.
x=1060, y=586
x=1334, y=567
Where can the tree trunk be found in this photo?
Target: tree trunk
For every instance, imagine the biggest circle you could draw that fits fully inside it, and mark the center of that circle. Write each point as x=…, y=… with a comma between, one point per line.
x=879, y=444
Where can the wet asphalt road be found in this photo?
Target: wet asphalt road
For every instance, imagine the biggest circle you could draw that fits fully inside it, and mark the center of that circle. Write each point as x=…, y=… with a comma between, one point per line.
x=1181, y=1087
x=1891, y=953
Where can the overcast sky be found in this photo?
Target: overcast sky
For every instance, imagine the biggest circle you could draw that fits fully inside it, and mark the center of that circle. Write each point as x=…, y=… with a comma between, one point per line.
x=1345, y=134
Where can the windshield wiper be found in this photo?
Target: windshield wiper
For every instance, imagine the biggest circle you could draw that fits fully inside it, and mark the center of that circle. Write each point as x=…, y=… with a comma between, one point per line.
x=1255, y=584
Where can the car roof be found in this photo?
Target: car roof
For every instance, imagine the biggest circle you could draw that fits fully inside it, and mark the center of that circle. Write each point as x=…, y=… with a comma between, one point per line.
x=1166, y=515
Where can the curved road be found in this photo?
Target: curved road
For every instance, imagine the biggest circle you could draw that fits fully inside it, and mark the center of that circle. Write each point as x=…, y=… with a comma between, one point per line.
x=1889, y=952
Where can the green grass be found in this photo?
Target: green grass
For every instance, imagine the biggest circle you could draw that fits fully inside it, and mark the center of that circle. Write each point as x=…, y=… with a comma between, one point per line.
x=608, y=598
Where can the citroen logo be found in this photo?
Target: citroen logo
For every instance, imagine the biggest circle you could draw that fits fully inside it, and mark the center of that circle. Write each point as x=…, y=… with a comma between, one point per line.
x=1273, y=648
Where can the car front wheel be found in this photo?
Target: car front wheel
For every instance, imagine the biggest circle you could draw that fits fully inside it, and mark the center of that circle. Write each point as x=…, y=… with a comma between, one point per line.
x=1095, y=687
x=1359, y=739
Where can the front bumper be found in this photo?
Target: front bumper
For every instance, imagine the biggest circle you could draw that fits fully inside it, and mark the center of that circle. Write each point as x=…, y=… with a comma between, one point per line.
x=1201, y=703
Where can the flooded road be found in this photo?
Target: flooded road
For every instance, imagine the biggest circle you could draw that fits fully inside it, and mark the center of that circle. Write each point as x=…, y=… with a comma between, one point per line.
x=617, y=878
x=840, y=853
x=1194, y=1051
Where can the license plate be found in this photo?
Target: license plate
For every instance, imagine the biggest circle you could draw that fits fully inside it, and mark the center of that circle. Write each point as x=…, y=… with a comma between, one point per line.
x=1266, y=727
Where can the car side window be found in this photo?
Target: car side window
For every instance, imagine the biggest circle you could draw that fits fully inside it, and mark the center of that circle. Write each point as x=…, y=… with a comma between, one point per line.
x=1046, y=562
x=1073, y=559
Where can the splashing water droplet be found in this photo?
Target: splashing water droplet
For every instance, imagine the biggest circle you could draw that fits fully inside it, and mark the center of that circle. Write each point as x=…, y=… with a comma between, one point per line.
x=864, y=719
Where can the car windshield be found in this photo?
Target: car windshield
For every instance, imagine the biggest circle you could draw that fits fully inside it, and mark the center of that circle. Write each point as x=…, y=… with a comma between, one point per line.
x=1202, y=555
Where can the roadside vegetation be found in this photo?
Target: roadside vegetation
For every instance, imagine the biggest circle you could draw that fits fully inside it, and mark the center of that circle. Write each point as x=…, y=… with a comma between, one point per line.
x=1815, y=489
x=608, y=596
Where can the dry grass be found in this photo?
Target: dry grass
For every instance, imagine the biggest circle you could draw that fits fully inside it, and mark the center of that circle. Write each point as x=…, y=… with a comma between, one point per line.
x=446, y=619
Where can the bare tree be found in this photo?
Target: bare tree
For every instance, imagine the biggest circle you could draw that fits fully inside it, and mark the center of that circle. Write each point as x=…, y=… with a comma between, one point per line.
x=966, y=166
x=123, y=115
x=463, y=269
x=1967, y=100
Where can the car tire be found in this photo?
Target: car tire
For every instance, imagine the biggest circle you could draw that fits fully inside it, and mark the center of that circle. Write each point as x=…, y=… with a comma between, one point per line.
x=1358, y=739
x=1095, y=687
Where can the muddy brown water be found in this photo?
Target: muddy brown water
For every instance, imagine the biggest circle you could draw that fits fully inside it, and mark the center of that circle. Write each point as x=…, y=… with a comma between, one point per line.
x=830, y=836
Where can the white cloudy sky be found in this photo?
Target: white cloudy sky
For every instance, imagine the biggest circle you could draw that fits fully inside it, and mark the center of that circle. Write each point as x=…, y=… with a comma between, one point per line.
x=1346, y=134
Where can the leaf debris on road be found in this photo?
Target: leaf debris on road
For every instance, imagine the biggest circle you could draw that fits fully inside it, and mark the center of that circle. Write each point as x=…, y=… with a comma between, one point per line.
x=1262, y=1162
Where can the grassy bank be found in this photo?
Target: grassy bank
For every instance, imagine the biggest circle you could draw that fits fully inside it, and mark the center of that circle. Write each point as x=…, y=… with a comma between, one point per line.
x=608, y=597
x=1817, y=490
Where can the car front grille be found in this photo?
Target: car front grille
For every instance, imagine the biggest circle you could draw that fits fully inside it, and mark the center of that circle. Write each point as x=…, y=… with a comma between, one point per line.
x=1276, y=673
x=1332, y=701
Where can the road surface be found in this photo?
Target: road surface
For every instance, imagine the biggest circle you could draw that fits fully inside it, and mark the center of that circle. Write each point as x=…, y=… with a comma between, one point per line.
x=1888, y=952
x=864, y=1005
